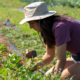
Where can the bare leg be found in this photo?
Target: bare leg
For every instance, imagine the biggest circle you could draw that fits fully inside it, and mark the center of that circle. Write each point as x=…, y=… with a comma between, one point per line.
x=70, y=70
x=69, y=62
x=73, y=70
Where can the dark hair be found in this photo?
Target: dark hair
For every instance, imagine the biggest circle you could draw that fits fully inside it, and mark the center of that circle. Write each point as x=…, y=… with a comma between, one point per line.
x=46, y=29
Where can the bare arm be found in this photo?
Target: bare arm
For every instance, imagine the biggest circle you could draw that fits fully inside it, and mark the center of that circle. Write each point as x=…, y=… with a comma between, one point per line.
x=48, y=56
x=61, y=55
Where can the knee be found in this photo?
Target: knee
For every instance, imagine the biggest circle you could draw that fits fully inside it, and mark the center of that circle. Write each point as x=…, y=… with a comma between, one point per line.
x=65, y=75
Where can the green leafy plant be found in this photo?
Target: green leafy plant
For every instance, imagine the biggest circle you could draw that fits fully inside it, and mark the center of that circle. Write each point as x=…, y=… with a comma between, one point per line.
x=12, y=69
x=2, y=48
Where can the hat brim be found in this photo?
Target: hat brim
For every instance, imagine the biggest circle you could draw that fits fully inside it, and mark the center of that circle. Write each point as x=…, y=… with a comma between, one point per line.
x=50, y=13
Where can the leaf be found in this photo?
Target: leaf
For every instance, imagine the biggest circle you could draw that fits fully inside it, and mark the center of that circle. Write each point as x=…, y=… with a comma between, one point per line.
x=29, y=62
x=41, y=63
x=19, y=65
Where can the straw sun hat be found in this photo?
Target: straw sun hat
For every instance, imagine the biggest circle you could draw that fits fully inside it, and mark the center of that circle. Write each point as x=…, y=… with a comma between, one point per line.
x=36, y=11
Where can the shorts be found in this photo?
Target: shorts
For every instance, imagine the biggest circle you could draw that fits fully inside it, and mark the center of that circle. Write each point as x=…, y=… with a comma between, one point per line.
x=76, y=58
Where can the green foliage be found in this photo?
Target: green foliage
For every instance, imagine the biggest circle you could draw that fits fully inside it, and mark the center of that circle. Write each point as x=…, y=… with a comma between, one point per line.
x=22, y=3
x=12, y=3
x=2, y=48
x=71, y=3
x=19, y=38
x=12, y=69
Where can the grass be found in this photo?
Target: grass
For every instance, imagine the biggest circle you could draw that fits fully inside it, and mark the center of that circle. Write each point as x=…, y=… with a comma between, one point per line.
x=72, y=12
x=12, y=3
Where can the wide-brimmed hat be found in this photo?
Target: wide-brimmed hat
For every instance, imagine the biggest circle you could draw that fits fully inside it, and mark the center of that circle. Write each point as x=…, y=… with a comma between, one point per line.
x=36, y=11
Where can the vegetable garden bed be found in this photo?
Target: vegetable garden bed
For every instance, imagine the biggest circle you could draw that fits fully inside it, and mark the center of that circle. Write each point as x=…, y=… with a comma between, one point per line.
x=23, y=38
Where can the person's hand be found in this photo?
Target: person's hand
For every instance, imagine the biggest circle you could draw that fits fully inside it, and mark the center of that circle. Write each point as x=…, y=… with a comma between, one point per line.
x=37, y=66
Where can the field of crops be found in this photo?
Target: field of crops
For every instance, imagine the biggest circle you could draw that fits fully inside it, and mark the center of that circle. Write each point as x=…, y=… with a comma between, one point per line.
x=71, y=3
x=11, y=65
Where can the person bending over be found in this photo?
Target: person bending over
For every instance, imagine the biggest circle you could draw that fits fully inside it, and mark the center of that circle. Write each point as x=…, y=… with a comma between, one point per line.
x=57, y=31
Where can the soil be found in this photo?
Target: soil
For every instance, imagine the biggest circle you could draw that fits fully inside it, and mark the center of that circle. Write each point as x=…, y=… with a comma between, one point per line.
x=5, y=41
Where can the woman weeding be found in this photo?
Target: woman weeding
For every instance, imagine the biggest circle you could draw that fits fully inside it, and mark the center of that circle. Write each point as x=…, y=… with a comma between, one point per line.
x=62, y=32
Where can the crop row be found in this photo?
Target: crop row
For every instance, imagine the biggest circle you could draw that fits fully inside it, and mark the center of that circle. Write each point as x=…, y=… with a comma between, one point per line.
x=13, y=68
